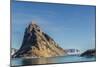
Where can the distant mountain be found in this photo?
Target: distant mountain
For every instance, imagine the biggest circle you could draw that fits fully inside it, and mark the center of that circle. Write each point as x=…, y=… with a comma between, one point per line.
x=89, y=53
x=72, y=51
x=37, y=43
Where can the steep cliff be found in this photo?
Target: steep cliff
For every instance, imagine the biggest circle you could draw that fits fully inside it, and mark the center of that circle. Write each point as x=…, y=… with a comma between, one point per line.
x=36, y=43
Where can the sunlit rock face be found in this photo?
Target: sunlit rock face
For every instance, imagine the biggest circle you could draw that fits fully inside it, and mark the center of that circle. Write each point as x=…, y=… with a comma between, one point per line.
x=37, y=43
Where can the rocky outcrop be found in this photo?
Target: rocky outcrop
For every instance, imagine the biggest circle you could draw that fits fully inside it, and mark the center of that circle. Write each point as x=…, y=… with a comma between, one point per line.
x=36, y=43
x=13, y=51
x=89, y=53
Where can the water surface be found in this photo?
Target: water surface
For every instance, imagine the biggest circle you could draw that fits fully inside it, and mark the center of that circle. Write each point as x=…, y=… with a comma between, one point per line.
x=63, y=59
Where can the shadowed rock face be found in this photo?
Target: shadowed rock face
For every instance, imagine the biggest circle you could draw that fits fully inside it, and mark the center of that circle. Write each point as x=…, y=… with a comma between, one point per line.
x=89, y=53
x=36, y=43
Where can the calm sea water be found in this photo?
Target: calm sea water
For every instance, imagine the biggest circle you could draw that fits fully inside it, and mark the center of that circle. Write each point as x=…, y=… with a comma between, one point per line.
x=36, y=61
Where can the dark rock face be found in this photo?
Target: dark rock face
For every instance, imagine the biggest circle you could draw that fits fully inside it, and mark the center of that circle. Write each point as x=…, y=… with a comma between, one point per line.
x=89, y=53
x=36, y=43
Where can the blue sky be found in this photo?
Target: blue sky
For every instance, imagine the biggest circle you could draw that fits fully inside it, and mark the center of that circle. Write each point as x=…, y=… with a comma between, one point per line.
x=71, y=26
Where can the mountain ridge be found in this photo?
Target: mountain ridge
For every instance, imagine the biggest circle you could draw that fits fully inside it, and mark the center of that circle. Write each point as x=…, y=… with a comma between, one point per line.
x=37, y=43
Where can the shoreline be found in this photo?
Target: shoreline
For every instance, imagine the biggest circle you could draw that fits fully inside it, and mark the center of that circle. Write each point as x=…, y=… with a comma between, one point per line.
x=45, y=57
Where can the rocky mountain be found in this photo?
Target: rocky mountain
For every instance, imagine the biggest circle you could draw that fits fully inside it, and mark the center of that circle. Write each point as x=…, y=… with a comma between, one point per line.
x=37, y=43
x=72, y=51
x=89, y=53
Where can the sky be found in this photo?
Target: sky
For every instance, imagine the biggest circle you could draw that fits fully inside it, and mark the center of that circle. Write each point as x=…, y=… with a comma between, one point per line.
x=71, y=26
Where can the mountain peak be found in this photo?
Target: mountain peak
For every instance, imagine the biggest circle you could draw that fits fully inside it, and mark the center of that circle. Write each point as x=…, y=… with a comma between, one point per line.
x=33, y=26
x=33, y=23
x=37, y=43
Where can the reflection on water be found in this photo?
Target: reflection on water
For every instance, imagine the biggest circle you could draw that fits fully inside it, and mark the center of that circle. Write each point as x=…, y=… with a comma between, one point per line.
x=34, y=61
